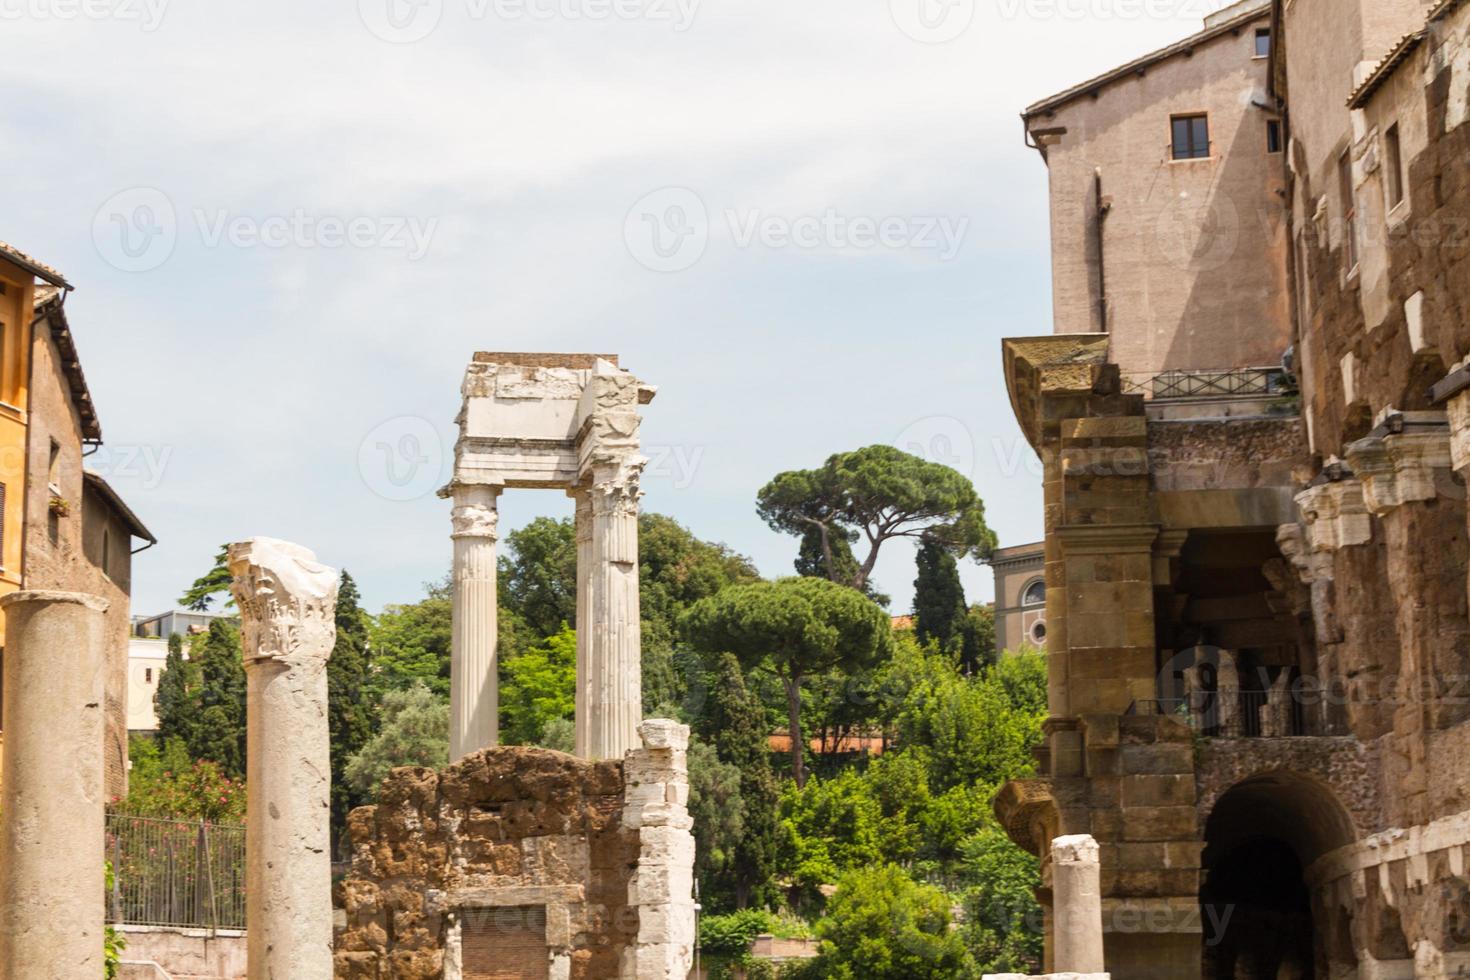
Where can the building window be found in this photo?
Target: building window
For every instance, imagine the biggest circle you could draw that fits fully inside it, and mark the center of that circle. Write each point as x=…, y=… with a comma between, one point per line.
x=2, y=525
x=1034, y=594
x=1273, y=135
x=1349, y=209
x=1394, y=166
x=1263, y=42
x=147, y=675
x=1038, y=633
x=1191, y=137
x=53, y=467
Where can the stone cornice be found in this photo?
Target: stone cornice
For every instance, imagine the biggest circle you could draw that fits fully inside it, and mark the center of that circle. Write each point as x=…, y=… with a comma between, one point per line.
x=1106, y=539
x=1335, y=515
x=1055, y=363
x=1396, y=462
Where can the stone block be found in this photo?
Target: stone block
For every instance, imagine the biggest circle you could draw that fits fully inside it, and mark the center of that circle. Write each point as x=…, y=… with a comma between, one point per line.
x=1157, y=759
x=1158, y=790
x=1159, y=823
x=663, y=733
x=672, y=922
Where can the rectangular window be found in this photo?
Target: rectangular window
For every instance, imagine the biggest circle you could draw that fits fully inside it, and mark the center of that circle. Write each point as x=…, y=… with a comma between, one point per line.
x=147, y=675
x=1349, y=209
x=1191, y=137
x=1273, y=135
x=2, y=525
x=1394, y=166
x=1263, y=42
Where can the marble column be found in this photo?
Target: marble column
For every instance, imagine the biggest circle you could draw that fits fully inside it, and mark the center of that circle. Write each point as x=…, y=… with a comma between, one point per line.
x=288, y=605
x=614, y=679
x=583, y=523
x=52, y=815
x=474, y=690
x=1077, y=905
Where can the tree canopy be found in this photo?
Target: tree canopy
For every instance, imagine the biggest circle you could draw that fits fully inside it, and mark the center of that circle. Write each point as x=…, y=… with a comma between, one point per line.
x=876, y=494
x=796, y=627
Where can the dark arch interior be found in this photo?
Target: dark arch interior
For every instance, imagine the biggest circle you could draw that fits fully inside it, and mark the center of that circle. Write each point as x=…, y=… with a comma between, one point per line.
x=1257, y=912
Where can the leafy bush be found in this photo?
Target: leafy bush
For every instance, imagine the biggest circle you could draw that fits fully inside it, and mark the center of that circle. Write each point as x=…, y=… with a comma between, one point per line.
x=882, y=925
x=164, y=783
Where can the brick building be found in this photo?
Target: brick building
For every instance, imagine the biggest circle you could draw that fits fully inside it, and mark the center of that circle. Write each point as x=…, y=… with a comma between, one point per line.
x=62, y=525
x=1253, y=423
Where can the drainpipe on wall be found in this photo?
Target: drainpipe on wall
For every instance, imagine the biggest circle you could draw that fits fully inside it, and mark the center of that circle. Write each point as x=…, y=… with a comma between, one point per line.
x=1104, y=206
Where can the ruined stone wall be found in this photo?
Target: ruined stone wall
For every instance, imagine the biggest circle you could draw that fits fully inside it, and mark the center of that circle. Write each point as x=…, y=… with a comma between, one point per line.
x=525, y=860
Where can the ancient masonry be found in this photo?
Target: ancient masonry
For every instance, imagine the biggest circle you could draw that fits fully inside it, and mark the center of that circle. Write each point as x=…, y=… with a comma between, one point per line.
x=524, y=862
x=563, y=422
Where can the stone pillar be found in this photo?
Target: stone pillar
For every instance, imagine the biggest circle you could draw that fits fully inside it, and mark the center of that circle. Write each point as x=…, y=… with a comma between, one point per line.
x=614, y=671
x=656, y=797
x=288, y=606
x=51, y=845
x=1227, y=696
x=583, y=524
x=474, y=690
x=1077, y=904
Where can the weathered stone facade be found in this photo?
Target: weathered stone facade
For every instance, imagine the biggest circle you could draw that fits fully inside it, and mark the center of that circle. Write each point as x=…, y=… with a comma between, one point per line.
x=1259, y=621
x=581, y=869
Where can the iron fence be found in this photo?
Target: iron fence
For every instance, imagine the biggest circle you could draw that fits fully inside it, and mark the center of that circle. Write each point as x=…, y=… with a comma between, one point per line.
x=185, y=873
x=1235, y=382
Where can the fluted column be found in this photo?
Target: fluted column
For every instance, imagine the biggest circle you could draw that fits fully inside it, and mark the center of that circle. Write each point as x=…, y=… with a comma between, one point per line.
x=51, y=847
x=288, y=605
x=614, y=672
x=583, y=500
x=474, y=694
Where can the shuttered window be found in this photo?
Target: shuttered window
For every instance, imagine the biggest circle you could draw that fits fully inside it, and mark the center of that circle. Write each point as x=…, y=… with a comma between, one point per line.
x=505, y=944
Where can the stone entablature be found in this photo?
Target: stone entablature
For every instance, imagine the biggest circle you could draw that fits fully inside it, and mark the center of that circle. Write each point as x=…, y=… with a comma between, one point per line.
x=1334, y=512
x=593, y=861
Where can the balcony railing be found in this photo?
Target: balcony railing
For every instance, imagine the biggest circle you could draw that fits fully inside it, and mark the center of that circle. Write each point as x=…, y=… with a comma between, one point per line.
x=1255, y=382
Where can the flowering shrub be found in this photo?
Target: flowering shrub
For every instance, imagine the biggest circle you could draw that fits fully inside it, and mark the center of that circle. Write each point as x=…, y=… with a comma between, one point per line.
x=166, y=784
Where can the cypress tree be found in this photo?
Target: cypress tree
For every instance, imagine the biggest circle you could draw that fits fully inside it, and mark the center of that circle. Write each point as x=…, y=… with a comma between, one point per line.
x=348, y=720
x=174, y=701
x=739, y=729
x=939, y=598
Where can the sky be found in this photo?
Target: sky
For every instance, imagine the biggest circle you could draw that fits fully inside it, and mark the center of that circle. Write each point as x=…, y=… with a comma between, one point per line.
x=291, y=224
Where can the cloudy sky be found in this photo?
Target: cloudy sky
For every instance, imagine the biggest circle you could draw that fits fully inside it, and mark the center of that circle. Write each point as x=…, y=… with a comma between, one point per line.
x=809, y=222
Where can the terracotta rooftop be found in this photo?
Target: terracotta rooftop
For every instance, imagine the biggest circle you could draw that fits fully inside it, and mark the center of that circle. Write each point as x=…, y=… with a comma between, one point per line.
x=38, y=269
x=1139, y=66
x=1385, y=69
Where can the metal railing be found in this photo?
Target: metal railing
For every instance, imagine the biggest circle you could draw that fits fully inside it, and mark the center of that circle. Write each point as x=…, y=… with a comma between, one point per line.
x=185, y=873
x=1228, y=383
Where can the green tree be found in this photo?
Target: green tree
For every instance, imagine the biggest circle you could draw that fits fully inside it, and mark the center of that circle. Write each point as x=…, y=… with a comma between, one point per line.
x=164, y=782
x=174, y=702
x=349, y=716
x=217, y=731
x=796, y=627
x=736, y=724
x=199, y=595
x=882, y=925
x=977, y=639
x=939, y=597
x=717, y=809
x=1003, y=923
x=414, y=731
x=878, y=493
x=411, y=644
x=538, y=686
x=538, y=574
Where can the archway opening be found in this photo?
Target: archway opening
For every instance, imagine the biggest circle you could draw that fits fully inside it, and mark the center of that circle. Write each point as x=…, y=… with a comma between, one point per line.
x=1255, y=903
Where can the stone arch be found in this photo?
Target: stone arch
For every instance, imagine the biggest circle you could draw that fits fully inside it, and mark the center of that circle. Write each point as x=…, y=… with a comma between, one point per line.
x=1258, y=913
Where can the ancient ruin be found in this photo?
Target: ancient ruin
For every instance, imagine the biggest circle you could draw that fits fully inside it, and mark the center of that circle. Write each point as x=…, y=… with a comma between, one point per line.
x=562, y=422
x=524, y=862
x=287, y=606
x=51, y=844
x=1251, y=425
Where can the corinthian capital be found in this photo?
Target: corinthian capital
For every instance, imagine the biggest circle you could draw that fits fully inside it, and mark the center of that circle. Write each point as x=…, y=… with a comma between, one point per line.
x=475, y=514
x=615, y=488
x=287, y=599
